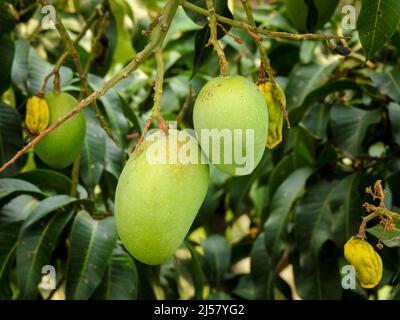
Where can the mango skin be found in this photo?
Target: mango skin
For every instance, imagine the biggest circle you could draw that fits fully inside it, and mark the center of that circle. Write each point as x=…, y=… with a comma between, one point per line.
x=232, y=102
x=155, y=204
x=61, y=147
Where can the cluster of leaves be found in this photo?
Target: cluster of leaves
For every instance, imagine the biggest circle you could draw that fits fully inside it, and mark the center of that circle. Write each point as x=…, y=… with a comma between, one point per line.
x=255, y=236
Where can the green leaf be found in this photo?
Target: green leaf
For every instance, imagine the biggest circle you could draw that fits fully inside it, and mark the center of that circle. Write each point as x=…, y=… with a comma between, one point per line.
x=93, y=152
x=120, y=281
x=275, y=228
x=6, y=57
x=217, y=255
x=47, y=180
x=18, y=209
x=304, y=79
x=349, y=126
x=8, y=244
x=10, y=137
x=376, y=24
x=347, y=208
x=196, y=272
x=313, y=218
x=316, y=119
x=262, y=271
x=113, y=110
x=46, y=206
x=124, y=51
x=388, y=82
x=91, y=245
x=388, y=238
x=319, y=278
x=12, y=187
x=201, y=51
x=35, y=245
x=394, y=117
x=29, y=70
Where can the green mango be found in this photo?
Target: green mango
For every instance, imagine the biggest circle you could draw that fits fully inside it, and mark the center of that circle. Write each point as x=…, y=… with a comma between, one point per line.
x=234, y=112
x=61, y=147
x=156, y=203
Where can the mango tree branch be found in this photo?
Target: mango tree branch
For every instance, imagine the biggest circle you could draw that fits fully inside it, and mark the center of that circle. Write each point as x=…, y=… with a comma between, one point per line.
x=266, y=32
x=223, y=63
x=265, y=62
x=169, y=12
x=155, y=110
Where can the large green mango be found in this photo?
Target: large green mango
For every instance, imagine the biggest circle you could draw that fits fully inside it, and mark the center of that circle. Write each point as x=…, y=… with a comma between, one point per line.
x=230, y=117
x=156, y=202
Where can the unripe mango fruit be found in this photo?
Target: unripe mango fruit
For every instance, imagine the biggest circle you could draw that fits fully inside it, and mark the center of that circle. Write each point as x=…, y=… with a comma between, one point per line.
x=61, y=147
x=156, y=203
x=228, y=105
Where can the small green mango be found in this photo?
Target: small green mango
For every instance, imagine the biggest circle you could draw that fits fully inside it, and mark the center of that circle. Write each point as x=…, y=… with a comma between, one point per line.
x=62, y=146
x=156, y=203
x=225, y=106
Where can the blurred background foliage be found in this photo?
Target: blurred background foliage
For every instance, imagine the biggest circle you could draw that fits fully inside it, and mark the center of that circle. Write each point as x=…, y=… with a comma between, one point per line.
x=276, y=234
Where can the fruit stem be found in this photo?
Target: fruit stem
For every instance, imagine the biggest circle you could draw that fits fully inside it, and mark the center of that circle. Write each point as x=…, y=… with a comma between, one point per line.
x=265, y=61
x=169, y=12
x=223, y=63
x=158, y=90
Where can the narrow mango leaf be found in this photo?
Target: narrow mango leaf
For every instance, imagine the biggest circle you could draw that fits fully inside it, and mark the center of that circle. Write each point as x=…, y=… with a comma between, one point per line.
x=318, y=279
x=312, y=223
x=121, y=280
x=217, y=255
x=376, y=24
x=13, y=187
x=91, y=245
x=262, y=271
x=349, y=126
x=275, y=228
x=304, y=79
x=18, y=209
x=47, y=180
x=46, y=206
x=346, y=204
x=388, y=82
x=10, y=137
x=36, y=243
x=93, y=152
x=394, y=117
x=8, y=243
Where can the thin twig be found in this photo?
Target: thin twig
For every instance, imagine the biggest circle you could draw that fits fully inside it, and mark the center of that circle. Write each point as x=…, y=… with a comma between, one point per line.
x=265, y=62
x=152, y=25
x=266, y=32
x=169, y=12
x=186, y=104
x=155, y=111
x=223, y=63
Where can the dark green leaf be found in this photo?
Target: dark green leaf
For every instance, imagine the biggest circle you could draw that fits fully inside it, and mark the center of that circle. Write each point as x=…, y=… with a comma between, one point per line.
x=8, y=244
x=35, y=245
x=217, y=255
x=47, y=180
x=394, y=117
x=46, y=206
x=12, y=187
x=120, y=281
x=349, y=126
x=388, y=82
x=275, y=227
x=10, y=136
x=93, y=152
x=91, y=245
x=376, y=24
